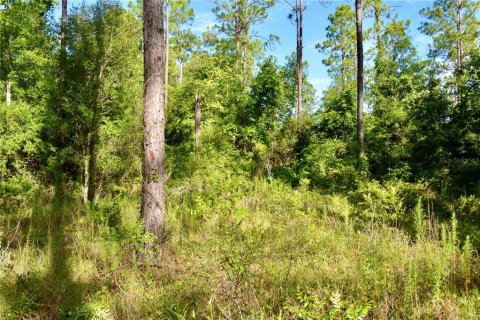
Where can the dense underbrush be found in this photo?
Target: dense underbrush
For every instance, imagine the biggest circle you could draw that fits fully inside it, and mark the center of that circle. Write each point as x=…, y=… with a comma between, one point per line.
x=237, y=247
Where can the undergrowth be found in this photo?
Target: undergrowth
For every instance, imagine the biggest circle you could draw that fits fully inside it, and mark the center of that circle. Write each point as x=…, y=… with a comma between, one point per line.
x=238, y=248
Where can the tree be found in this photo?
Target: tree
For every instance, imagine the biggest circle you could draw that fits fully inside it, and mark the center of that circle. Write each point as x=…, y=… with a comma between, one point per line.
x=236, y=20
x=182, y=40
x=299, y=20
x=290, y=79
x=337, y=115
x=339, y=46
x=153, y=182
x=102, y=49
x=26, y=77
x=167, y=48
x=454, y=27
x=198, y=105
x=360, y=130
x=63, y=41
x=378, y=9
x=399, y=79
x=297, y=10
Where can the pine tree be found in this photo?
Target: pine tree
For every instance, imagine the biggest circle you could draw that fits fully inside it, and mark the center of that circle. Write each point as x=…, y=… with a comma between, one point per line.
x=153, y=183
x=360, y=129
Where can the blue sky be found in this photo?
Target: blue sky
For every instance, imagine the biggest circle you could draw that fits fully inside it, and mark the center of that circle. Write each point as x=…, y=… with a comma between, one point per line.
x=315, y=22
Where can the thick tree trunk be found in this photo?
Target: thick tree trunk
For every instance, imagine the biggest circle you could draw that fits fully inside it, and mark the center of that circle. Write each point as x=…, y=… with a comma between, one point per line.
x=63, y=41
x=9, y=93
x=167, y=46
x=198, y=105
x=153, y=192
x=299, y=18
x=360, y=134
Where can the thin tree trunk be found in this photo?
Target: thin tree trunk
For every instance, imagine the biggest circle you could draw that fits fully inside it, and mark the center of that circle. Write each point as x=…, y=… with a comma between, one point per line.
x=8, y=93
x=299, y=18
x=378, y=36
x=167, y=46
x=63, y=41
x=244, y=57
x=91, y=166
x=198, y=105
x=237, y=27
x=153, y=192
x=86, y=172
x=360, y=134
x=459, y=35
x=180, y=76
x=62, y=70
x=459, y=48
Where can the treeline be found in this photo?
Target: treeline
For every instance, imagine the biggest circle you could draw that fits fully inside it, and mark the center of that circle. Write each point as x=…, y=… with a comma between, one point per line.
x=71, y=105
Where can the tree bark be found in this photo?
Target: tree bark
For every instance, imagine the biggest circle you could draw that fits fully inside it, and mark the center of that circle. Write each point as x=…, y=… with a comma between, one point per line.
x=86, y=183
x=167, y=46
x=91, y=166
x=198, y=105
x=299, y=18
x=378, y=36
x=180, y=74
x=153, y=192
x=63, y=41
x=9, y=93
x=459, y=49
x=459, y=35
x=360, y=133
x=238, y=29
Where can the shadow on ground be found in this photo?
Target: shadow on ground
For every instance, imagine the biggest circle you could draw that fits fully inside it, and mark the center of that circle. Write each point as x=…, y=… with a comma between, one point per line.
x=36, y=293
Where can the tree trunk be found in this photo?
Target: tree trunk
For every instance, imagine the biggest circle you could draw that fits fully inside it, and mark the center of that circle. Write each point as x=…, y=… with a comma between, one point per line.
x=9, y=93
x=91, y=166
x=459, y=48
x=167, y=46
x=63, y=41
x=246, y=73
x=360, y=134
x=378, y=36
x=153, y=192
x=198, y=105
x=459, y=35
x=237, y=27
x=299, y=18
x=180, y=74
x=86, y=172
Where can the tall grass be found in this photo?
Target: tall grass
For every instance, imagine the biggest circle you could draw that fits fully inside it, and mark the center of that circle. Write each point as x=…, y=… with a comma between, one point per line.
x=235, y=248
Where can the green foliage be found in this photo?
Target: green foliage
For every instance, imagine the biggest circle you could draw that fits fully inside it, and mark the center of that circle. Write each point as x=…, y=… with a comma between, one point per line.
x=340, y=45
x=267, y=217
x=331, y=307
x=324, y=164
